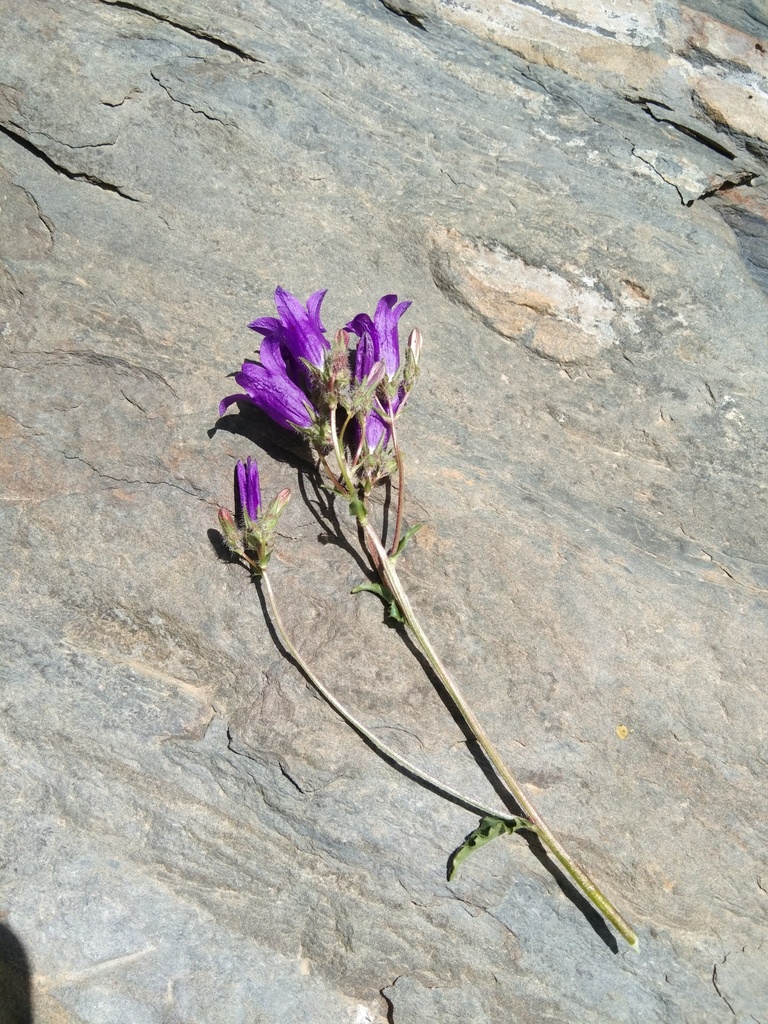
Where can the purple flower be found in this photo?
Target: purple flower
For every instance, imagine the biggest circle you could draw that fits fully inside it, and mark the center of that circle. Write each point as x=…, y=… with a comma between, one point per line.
x=248, y=490
x=296, y=334
x=382, y=331
x=280, y=386
x=275, y=394
x=379, y=341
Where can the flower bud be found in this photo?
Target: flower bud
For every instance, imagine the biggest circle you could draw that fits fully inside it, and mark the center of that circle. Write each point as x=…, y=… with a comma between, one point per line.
x=277, y=506
x=376, y=375
x=275, y=510
x=249, y=493
x=414, y=345
x=412, y=356
x=230, y=532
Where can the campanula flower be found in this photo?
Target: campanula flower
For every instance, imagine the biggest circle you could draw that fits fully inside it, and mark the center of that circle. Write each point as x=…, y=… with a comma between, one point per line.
x=382, y=331
x=281, y=385
x=379, y=342
x=294, y=338
x=274, y=393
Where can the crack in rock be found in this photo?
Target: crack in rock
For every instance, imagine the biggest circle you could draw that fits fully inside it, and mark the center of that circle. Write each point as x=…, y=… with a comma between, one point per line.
x=689, y=180
x=680, y=126
x=91, y=179
x=406, y=10
x=124, y=480
x=196, y=33
x=714, y=982
x=190, y=106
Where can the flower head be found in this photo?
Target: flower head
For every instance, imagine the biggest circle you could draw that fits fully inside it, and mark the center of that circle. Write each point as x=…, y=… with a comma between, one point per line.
x=382, y=331
x=293, y=343
x=249, y=535
x=379, y=343
x=301, y=379
x=294, y=338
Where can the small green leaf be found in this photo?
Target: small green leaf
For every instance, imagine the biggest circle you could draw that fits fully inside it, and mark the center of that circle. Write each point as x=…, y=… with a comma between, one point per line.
x=405, y=538
x=373, y=588
x=386, y=596
x=488, y=829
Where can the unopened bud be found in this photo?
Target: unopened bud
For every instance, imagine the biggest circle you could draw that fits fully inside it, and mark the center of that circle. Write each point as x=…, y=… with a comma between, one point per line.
x=269, y=520
x=414, y=344
x=279, y=503
x=230, y=532
x=375, y=375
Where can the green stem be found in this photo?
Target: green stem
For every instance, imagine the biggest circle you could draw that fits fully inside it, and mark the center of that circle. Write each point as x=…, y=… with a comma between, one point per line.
x=579, y=876
x=358, y=726
x=339, y=453
x=400, y=490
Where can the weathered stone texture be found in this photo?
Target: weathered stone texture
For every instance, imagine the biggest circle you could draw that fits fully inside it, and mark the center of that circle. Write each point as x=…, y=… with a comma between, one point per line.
x=575, y=198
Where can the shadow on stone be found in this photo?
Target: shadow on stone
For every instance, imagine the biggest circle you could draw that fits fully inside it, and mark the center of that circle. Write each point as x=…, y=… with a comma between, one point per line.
x=15, y=986
x=570, y=891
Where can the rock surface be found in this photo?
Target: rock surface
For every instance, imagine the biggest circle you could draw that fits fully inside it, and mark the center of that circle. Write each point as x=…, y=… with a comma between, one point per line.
x=574, y=196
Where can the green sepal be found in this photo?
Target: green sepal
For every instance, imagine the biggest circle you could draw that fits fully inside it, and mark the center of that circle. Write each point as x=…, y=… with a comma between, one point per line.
x=393, y=611
x=488, y=829
x=405, y=538
x=357, y=509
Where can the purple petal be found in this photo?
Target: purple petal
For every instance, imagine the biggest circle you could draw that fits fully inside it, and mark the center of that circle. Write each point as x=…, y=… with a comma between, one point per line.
x=364, y=356
x=248, y=488
x=225, y=403
x=360, y=324
x=266, y=325
x=303, y=336
x=375, y=430
x=271, y=355
x=385, y=321
x=276, y=395
x=313, y=307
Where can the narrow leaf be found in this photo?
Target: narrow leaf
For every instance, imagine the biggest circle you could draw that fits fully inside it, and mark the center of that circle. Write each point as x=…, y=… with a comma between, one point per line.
x=488, y=829
x=386, y=596
x=405, y=538
x=373, y=588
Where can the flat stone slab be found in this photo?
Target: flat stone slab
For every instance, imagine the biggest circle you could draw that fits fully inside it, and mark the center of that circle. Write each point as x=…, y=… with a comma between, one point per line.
x=576, y=204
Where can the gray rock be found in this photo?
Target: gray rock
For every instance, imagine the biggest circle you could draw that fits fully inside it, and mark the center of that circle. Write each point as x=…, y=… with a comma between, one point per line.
x=577, y=207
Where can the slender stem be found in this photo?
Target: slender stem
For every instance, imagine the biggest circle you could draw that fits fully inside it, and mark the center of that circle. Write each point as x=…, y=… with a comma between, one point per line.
x=334, y=479
x=339, y=453
x=390, y=578
x=344, y=426
x=357, y=725
x=400, y=490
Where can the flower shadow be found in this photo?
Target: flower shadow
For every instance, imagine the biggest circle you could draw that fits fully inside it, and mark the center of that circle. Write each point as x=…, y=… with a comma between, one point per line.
x=290, y=449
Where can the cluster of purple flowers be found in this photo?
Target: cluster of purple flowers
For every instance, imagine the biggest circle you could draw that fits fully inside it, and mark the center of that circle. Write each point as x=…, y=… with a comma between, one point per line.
x=301, y=378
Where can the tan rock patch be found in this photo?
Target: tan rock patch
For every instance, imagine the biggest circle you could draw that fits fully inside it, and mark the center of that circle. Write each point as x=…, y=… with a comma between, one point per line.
x=533, y=305
x=739, y=107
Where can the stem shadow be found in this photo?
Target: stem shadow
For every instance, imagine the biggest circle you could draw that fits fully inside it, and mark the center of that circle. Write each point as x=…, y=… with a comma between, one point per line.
x=288, y=448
